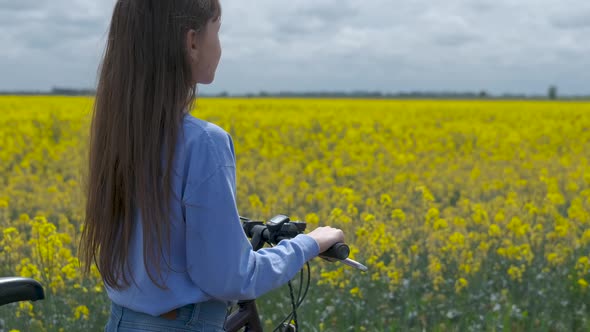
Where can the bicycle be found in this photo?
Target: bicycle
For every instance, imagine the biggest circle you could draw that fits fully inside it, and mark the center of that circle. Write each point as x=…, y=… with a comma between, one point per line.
x=16, y=289
x=280, y=227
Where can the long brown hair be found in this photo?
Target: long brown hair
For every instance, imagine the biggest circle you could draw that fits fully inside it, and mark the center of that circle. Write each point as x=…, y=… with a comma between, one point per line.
x=144, y=88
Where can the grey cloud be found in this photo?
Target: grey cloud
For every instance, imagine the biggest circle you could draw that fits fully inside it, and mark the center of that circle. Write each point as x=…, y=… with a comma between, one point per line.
x=14, y=20
x=481, y=6
x=450, y=29
x=299, y=27
x=20, y=5
x=498, y=45
x=456, y=39
x=48, y=33
x=330, y=11
x=572, y=21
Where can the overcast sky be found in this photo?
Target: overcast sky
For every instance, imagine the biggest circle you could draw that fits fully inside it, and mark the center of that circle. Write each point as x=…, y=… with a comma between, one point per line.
x=518, y=46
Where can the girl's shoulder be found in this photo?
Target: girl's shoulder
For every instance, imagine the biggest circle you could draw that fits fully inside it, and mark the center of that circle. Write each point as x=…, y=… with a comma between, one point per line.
x=196, y=127
x=204, y=138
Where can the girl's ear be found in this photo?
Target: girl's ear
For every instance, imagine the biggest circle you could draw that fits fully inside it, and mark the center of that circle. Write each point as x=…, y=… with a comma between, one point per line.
x=192, y=46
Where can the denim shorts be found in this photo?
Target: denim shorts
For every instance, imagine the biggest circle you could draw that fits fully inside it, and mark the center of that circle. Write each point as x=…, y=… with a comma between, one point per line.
x=201, y=317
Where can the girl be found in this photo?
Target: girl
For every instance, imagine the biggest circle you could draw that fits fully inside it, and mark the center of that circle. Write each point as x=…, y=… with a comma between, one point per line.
x=161, y=221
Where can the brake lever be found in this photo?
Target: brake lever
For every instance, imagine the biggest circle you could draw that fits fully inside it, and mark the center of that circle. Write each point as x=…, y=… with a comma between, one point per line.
x=355, y=264
x=340, y=252
x=347, y=261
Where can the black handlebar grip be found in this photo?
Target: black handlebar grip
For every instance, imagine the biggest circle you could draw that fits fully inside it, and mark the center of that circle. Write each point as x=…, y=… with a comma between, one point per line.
x=338, y=251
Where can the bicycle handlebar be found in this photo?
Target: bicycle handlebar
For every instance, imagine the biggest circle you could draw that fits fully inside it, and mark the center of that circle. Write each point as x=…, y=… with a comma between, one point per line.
x=280, y=228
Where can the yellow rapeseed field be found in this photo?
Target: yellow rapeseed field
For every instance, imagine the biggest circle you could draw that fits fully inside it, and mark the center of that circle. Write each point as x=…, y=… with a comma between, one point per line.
x=470, y=215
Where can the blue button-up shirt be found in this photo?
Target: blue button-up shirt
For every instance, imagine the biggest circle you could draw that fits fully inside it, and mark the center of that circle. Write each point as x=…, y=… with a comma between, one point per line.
x=210, y=256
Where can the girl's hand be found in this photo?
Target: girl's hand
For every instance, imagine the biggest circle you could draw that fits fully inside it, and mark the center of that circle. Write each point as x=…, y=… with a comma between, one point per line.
x=326, y=237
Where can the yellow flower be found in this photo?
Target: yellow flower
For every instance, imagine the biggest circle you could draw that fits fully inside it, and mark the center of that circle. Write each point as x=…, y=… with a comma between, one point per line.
x=70, y=271
x=394, y=277
x=361, y=232
x=437, y=282
x=457, y=239
x=57, y=283
x=25, y=307
x=424, y=193
x=494, y=230
x=554, y=259
x=484, y=246
x=561, y=230
x=583, y=264
x=81, y=311
x=28, y=270
x=385, y=200
x=312, y=219
x=356, y=292
x=525, y=253
x=499, y=217
x=466, y=268
x=395, y=179
x=515, y=273
x=440, y=224
x=460, y=284
x=432, y=215
x=398, y=215
x=435, y=266
x=10, y=231
x=367, y=217
x=352, y=210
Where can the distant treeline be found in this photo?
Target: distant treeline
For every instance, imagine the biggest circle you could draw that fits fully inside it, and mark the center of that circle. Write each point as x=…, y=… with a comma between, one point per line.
x=54, y=91
x=551, y=94
x=405, y=95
